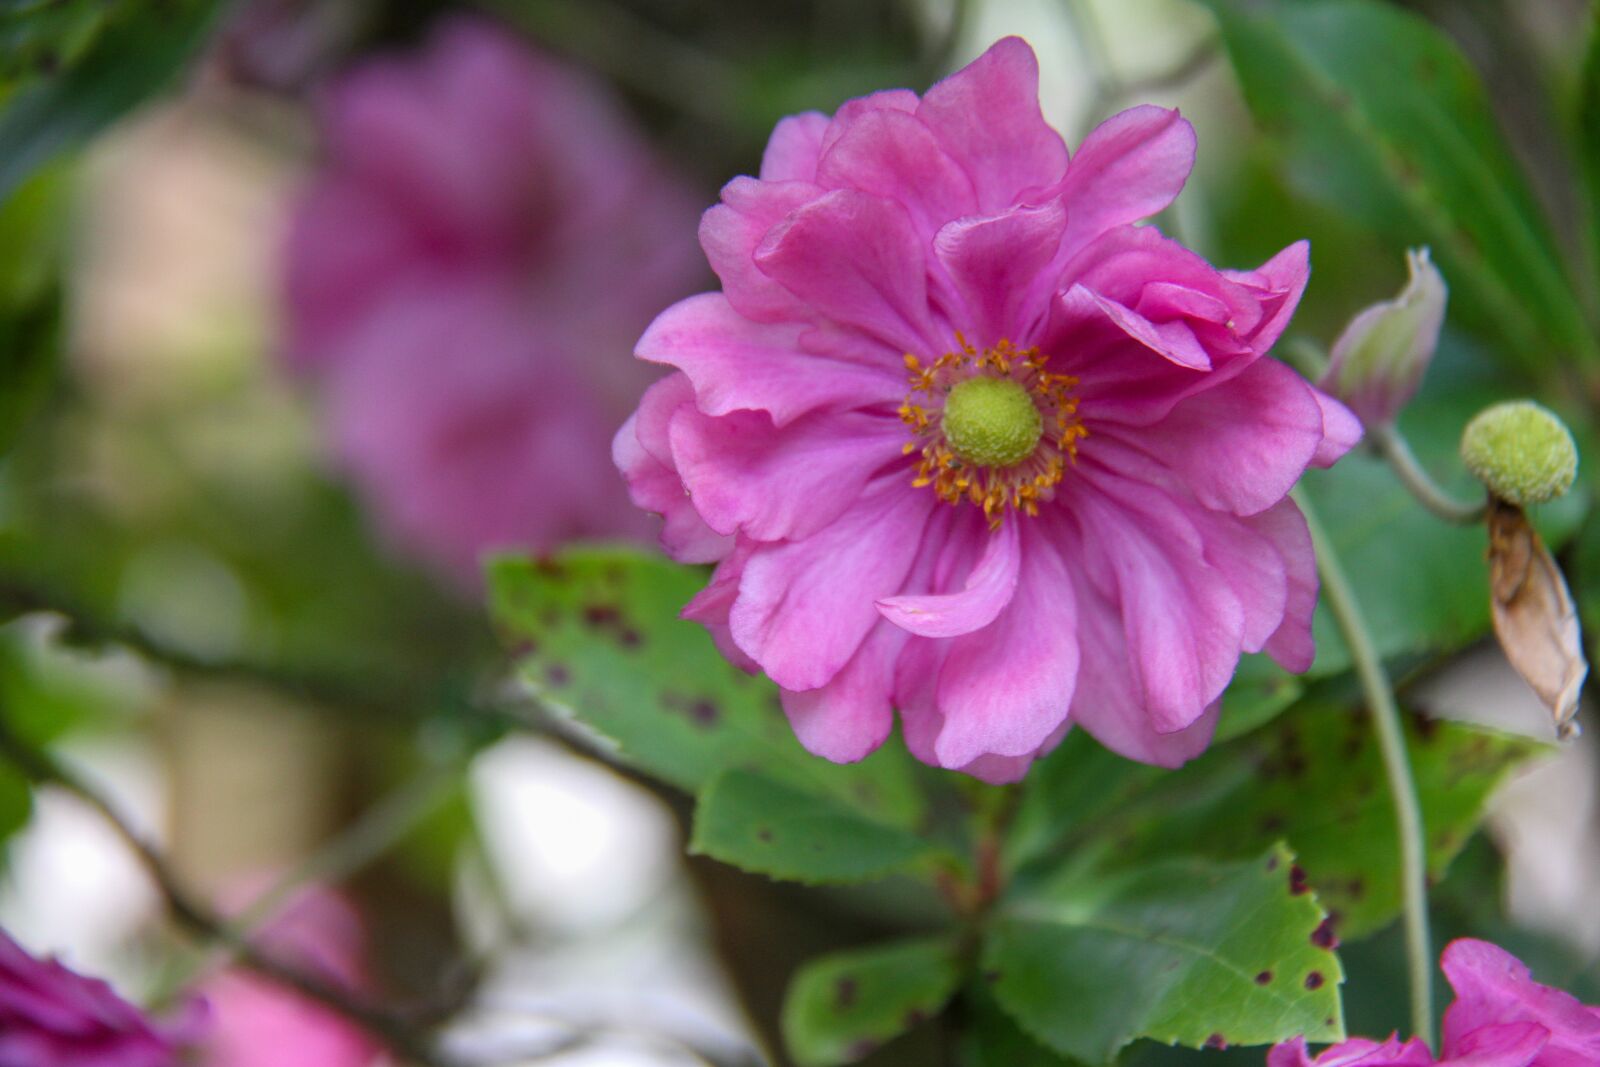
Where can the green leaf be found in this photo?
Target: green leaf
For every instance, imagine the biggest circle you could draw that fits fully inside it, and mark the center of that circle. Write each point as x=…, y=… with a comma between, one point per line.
x=599, y=639
x=841, y=1007
x=129, y=60
x=1182, y=951
x=991, y=1038
x=1588, y=139
x=1314, y=778
x=1382, y=117
x=759, y=824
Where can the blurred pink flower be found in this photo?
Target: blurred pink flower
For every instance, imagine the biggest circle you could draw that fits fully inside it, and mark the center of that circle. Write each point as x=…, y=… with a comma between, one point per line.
x=965, y=441
x=1501, y=1018
x=52, y=1017
x=465, y=276
x=258, y=1023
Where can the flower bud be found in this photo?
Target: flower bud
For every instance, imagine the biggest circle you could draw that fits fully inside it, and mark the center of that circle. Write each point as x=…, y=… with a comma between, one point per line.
x=1378, y=361
x=1521, y=451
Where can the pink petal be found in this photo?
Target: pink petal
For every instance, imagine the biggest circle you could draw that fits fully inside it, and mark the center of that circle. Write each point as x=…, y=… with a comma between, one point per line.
x=737, y=364
x=805, y=606
x=987, y=117
x=1341, y=430
x=1173, y=341
x=1182, y=622
x=794, y=148
x=1108, y=702
x=1130, y=167
x=1241, y=446
x=1005, y=690
x=1281, y=281
x=1292, y=644
x=996, y=263
x=856, y=259
x=1511, y=1045
x=711, y=606
x=780, y=483
x=903, y=100
x=731, y=232
x=1494, y=988
x=894, y=155
x=988, y=590
x=848, y=718
x=653, y=482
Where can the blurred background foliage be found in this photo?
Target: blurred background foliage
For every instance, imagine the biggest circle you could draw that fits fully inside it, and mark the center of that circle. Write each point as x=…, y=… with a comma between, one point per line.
x=184, y=575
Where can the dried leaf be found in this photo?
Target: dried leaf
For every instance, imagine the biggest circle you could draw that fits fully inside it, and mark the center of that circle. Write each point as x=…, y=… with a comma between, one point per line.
x=1534, y=616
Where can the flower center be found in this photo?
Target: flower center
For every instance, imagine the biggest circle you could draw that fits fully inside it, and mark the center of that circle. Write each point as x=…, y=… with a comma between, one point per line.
x=994, y=427
x=991, y=422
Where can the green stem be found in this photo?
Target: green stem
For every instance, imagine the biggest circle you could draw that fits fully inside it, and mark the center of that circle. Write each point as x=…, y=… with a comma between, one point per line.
x=1342, y=603
x=1393, y=447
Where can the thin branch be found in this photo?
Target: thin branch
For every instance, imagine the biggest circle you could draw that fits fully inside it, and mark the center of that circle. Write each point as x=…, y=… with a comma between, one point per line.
x=199, y=919
x=1394, y=448
x=1346, y=610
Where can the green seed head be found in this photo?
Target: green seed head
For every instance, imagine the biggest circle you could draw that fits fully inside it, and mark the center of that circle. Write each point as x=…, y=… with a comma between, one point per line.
x=1521, y=451
x=991, y=422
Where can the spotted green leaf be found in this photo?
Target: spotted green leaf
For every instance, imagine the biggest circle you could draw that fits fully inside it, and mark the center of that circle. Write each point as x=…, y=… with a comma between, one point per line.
x=1313, y=778
x=1182, y=951
x=760, y=824
x=841, y=1007
x=598, y=639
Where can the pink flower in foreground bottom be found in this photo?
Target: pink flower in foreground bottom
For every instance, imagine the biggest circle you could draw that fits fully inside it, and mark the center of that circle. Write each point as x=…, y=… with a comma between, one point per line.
x=1501, y=1018
x=259, y=1023
x=52, y=1017
x=465, y=276
x=965, y=442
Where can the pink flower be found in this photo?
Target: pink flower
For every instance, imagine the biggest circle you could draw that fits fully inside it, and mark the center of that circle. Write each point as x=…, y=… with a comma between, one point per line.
x=259, y=1023
x=465, y=275
x=52, y=1017
x=1501, y=1018
x=965, y=441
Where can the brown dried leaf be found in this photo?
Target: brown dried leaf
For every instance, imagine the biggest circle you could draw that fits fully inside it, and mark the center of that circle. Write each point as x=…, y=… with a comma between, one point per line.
x=1534, y=616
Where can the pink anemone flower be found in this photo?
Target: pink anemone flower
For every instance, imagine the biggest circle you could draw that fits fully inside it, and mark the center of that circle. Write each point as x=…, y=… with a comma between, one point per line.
x=964, y=441
x=465, y=274
x=1501, y=1018
x=53, y=1017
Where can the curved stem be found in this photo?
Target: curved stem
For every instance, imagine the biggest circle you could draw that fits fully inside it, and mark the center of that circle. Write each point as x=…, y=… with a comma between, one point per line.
x=1341, y=601
x=1393, y=447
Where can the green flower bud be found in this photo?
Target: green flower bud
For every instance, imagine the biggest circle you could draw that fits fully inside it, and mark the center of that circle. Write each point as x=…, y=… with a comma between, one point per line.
x=1521, y=451
x=1378, y=361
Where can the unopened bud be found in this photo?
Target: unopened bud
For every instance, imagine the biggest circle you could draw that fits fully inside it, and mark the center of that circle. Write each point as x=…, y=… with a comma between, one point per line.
x=1378, y=361
x=1521, y=451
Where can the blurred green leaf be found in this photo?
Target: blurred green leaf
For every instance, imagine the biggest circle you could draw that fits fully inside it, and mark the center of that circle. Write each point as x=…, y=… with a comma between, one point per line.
x=131, y=53
x=32, y=233
x=756, y=823
x=991, y=1038
x=1314, y=778
x=1259, y=692
x=1588, y=138
x=1382, y=116
x=1183, y=951
x=598, y=637
x=841, y=1007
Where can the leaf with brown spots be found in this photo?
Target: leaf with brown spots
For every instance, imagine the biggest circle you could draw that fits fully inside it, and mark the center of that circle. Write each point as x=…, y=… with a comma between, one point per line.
x=598, y=640
x=843, y=1006
x=1534, y=617
x=1172, y=950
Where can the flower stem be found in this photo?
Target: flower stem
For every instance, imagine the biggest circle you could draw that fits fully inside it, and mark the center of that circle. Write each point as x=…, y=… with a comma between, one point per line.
x=1341, y=601
x=1393, y=448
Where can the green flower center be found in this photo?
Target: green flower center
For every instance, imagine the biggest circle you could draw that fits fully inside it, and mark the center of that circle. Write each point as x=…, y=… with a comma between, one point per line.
x=991, y=422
